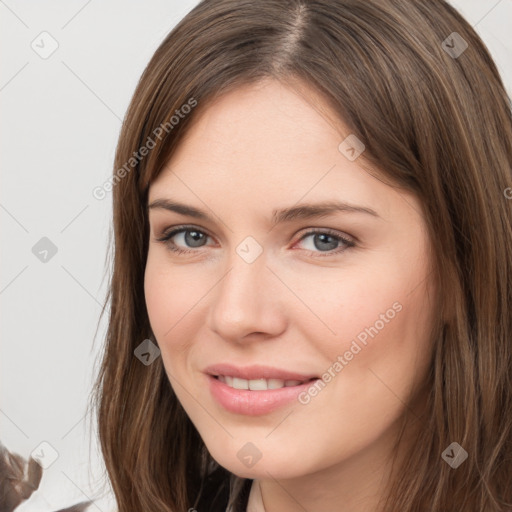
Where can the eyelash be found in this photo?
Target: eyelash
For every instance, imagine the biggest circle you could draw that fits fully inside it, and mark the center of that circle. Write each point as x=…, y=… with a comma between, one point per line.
x=166, y=239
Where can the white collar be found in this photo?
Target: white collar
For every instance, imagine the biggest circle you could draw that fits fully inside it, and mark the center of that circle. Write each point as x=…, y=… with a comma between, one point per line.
x=255, y=503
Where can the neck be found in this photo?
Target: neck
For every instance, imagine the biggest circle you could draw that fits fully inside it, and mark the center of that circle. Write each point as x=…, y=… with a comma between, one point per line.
x=358, y=483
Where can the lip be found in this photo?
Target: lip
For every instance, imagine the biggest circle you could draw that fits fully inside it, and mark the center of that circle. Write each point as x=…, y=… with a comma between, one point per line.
x=254, y=403
x=256, y=372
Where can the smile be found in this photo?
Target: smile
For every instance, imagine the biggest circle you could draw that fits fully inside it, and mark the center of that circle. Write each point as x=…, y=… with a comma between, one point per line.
x=257, y=384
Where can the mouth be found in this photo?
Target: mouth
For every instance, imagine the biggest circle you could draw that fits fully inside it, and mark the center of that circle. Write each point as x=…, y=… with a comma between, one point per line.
x=260, y=384
x=255, y=390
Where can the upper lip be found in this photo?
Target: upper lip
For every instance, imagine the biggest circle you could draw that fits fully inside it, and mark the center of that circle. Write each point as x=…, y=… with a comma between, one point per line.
x=254, y=372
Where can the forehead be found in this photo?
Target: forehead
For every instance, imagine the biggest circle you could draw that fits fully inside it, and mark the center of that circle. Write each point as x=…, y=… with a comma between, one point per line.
x=264, y=145
x=265, y=115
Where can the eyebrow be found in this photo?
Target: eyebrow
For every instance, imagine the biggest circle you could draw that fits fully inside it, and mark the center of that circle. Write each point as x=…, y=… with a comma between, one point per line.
x=302, y=211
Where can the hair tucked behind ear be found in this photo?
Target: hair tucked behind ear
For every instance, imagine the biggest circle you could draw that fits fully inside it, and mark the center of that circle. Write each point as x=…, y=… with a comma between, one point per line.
x=435, y=125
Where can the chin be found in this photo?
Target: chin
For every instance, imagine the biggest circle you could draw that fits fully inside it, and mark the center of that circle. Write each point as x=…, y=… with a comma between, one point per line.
x=275, y=465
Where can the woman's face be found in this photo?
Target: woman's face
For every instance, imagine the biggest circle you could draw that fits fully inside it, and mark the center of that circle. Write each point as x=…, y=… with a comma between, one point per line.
x=324, y=315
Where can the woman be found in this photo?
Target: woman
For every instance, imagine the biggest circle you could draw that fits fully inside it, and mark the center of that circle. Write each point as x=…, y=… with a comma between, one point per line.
x=249, y=366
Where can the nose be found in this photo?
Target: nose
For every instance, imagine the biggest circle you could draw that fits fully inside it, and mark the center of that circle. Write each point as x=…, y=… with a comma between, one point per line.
x=248, y=302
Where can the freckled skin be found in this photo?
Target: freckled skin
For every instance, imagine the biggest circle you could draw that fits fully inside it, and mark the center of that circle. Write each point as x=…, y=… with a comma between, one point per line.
x=299, y=305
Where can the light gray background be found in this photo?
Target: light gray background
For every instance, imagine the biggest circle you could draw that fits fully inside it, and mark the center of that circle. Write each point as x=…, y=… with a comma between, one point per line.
x=60, y=121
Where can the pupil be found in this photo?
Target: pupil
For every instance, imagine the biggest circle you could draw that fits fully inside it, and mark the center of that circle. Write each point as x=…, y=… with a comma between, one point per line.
x=193, y=238
x=323, y=237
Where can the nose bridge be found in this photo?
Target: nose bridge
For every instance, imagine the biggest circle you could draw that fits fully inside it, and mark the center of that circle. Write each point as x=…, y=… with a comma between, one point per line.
x=245, y=300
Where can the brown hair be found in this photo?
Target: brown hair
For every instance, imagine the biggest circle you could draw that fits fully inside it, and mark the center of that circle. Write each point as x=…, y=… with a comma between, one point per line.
x=436, y=124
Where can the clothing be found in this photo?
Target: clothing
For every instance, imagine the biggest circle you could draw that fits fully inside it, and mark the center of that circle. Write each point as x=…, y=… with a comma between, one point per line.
x=255, y=503
x=243, y=498
x=218, y=487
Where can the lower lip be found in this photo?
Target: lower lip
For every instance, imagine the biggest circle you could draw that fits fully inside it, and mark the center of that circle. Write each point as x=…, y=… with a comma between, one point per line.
x=254, y=403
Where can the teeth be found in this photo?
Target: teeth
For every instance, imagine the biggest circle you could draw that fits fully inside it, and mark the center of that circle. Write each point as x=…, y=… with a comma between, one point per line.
x=275, y=384
x=257, y=384
x=240, y=383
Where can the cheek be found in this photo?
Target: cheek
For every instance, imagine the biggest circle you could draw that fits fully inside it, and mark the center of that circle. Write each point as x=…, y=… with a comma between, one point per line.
x=349, y=303
x=168, y=300
x=158, y=298
x=377, y=317
x=380, y=353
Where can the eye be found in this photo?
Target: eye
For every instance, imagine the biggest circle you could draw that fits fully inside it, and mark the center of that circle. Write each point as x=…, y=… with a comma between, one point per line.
x=327, y=241
x=323, y=241
x=188, y=235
